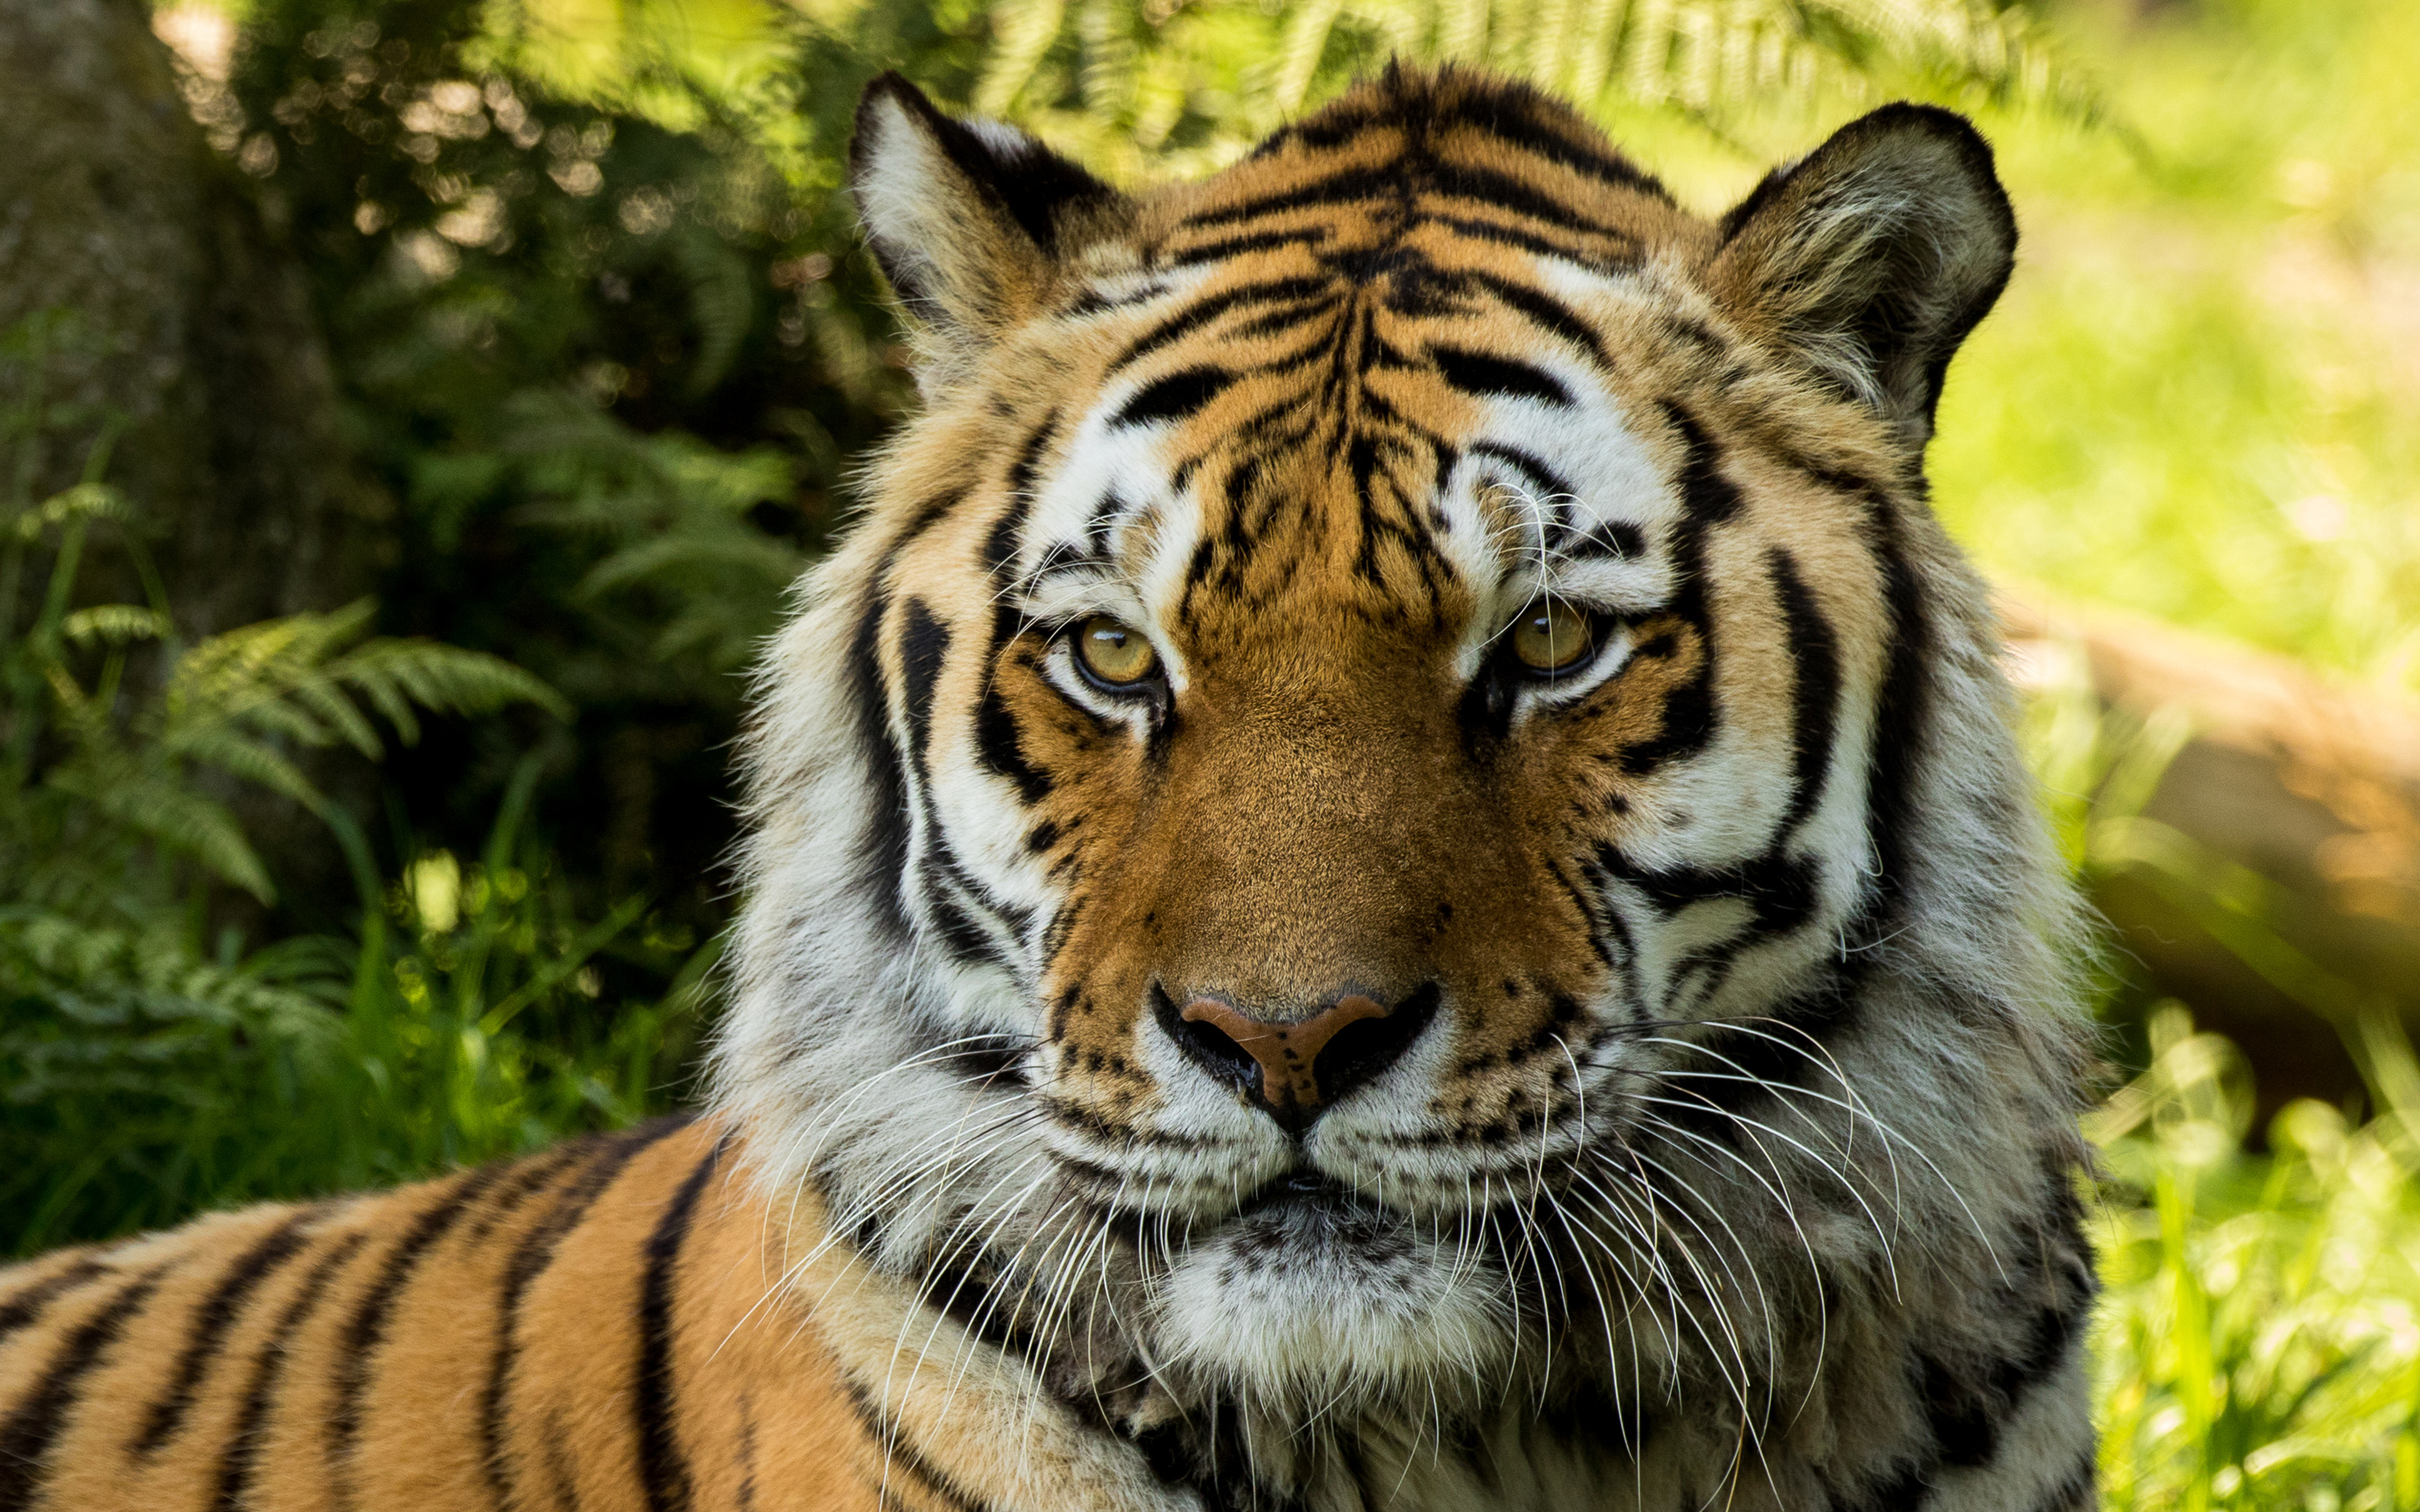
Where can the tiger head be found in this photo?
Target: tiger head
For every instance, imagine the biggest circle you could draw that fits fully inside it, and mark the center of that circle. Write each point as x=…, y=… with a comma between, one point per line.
x=1398, y=790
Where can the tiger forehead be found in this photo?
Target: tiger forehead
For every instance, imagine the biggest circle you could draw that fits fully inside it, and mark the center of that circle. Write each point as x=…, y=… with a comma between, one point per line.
x=1313, y=369
x=1351, y=183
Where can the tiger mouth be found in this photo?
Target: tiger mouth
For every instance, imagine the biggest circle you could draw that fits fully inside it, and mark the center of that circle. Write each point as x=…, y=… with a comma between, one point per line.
x=1309, y=1191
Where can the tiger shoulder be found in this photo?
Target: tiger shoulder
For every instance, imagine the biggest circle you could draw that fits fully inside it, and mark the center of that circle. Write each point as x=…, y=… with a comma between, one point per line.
x=1389, y=873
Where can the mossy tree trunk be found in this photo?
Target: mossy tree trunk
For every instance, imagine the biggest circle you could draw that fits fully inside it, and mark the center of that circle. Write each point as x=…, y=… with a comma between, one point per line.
x=188, y=329
x=178, y=337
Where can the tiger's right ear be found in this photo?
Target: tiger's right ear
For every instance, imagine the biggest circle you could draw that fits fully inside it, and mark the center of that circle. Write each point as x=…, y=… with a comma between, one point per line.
x=970, y=220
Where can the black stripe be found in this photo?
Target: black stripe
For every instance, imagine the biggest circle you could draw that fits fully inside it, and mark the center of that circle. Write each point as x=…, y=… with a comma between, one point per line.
x=28, y=1433
x=1521, y=238
x=1551, y=483
x=1534, y=131
x=1815, y=651
x=530, y=1261
x=1689, y=715
x=999, y=545
x=664, y=1469
x=1901, y=730
x=1336, y=189
x=1967, y=1403
x=883, y=847
x=1552, y=314
x=747, y=1453
x=1210, y=252
x=927, y=515
x=1616, y=538
x=26, y=1306
x=211, y=1320
x=968, y=942
x=1484, y=372
x=923, y=644
x=1465, y=180
x=1906, y=1491
x=367, y=1332
x=245, y=1437
x=1202, y=312
x=899, y=1454
x=1705, y=492
x=527, y=1177
x=1176, y=396
x=1002, y=746
x=999, y=743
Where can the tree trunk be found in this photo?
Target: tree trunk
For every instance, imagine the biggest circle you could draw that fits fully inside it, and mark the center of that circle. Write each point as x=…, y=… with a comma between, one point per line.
x=187, y=326
x=180, y=333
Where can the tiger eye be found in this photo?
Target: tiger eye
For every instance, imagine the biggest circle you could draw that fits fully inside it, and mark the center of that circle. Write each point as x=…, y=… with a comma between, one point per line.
x=1550, y=637
x=1114, y=653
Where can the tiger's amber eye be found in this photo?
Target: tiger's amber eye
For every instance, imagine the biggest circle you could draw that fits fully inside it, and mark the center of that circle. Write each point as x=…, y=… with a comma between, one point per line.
x=1113, y=652
x=1550, y=637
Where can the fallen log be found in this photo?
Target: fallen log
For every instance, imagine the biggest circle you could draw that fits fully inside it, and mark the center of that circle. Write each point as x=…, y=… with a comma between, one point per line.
x=2270, y=881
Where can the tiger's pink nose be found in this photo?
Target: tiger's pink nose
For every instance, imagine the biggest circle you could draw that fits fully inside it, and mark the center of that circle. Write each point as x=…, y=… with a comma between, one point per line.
x=1295, y=1070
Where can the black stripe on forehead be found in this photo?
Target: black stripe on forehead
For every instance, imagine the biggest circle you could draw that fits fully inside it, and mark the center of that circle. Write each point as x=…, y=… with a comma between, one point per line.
x=1551, y=484
x=1487, y=376
x=1265, y=292
x=999, y=545
x=1522, y=118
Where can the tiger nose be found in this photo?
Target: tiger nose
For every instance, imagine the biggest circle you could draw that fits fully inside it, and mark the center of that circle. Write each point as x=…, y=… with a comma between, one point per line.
x=1294, y=1070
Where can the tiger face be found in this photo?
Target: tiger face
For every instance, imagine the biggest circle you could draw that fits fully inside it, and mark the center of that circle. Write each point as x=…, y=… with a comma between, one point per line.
x=1398, y=769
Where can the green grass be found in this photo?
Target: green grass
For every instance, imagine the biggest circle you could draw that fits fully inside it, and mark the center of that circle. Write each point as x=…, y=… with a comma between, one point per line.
x=476, y=1016
x=2259, y=1341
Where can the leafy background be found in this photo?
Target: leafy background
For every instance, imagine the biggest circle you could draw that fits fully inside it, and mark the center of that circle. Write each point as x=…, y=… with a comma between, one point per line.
x=607, y=348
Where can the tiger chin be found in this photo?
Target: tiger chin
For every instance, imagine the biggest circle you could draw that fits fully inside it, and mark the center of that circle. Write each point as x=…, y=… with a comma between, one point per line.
x=1388, y=874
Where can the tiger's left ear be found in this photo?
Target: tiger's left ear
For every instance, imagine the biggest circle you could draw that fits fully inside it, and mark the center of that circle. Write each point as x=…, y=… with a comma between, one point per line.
x=971, y=220
x=1869, y=260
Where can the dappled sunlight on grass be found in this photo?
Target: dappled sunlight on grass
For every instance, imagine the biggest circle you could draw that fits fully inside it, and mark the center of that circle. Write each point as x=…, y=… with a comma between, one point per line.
x=2259, y=1341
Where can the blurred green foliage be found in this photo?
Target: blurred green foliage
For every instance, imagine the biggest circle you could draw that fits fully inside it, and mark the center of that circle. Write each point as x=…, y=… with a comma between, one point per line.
x=2200, y=397
x=2259, y=1341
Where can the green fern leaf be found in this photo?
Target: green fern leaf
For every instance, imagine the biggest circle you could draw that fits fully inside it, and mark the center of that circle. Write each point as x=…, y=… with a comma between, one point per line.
x=114, y=625
x=148, y=801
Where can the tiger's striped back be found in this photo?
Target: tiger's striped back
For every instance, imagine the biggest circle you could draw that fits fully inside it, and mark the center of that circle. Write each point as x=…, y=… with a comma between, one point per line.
x=588, y=1327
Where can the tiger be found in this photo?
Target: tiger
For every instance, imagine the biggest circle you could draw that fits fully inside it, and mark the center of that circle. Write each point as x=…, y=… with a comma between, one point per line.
x=1388, y=871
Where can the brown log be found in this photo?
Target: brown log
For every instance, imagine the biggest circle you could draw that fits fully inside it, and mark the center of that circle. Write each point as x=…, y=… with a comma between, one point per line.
x=2292, y=912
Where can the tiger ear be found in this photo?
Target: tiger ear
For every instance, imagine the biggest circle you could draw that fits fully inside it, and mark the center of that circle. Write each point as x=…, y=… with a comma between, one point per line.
x=969, y=220
x=1868, y=261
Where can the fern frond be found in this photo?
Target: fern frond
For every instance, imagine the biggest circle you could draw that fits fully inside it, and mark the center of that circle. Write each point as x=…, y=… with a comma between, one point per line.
x=1022, y=31
x=293, y=678
x=327, y=700
x=748, y=551
x=446, y=679
x=721, y=301
x=1235, y=68
x=251, y=761
x=146, y=798
x=84, y=501
x=114, y=625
